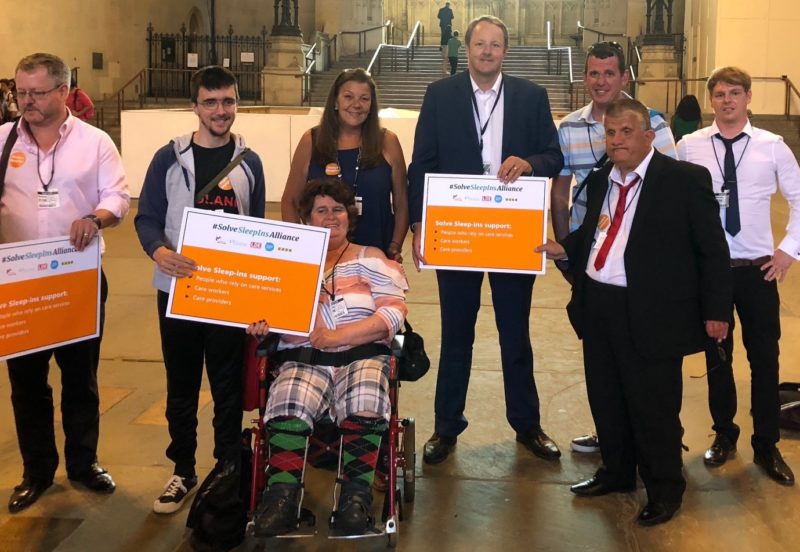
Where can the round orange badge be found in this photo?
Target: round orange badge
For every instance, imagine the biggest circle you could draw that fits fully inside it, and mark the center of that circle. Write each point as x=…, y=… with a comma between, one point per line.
x=604, y=222
x=17, y=159
x=332, y=169
x=225, y=184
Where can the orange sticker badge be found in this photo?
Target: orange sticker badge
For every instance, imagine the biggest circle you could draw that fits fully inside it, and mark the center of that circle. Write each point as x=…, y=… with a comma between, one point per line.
x=225, y=184
x=332, y=169
x=603, y=222
x=17, y=159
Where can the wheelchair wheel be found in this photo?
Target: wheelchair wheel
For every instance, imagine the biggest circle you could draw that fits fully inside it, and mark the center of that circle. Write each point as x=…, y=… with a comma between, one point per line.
x=410, y=460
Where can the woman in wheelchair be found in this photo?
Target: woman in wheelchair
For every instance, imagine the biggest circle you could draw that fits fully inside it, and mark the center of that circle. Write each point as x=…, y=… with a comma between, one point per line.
x=340, y=370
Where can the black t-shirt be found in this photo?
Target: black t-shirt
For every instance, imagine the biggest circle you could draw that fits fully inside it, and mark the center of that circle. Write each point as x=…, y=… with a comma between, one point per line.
x=208, y=163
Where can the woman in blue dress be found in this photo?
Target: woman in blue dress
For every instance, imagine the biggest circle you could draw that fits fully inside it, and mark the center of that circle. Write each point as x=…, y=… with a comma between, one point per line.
x=350, y=143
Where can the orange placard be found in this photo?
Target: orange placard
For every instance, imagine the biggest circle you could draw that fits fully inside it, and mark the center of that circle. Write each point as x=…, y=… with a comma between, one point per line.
x=235, y=288
x=45, y=312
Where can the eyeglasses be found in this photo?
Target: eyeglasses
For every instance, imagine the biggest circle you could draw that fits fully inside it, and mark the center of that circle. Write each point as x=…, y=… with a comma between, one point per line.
x=211, y=104
x=35, y=95
x=607, y=45
x=722, y=358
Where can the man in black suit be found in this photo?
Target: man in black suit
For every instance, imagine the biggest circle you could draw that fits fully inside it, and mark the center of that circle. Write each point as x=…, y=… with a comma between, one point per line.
x=652, y=283
x=484, y=122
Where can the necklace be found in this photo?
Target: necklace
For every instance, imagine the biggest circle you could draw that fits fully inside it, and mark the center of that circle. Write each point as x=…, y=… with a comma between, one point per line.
x=332, y=293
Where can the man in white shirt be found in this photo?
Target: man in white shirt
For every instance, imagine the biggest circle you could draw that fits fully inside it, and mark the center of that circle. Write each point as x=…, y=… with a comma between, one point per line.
x=66, y=178
x=748, y=165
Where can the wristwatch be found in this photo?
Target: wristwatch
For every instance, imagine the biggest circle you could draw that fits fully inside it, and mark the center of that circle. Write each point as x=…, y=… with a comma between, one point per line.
x=95, y=219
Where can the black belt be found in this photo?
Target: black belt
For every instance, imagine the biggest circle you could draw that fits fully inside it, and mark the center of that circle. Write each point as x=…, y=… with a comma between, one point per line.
x=736, y=263
x=315, y=357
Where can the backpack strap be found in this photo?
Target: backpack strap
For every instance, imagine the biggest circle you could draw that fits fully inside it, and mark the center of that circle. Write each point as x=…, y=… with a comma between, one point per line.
x=222, y=174
x=10, y=141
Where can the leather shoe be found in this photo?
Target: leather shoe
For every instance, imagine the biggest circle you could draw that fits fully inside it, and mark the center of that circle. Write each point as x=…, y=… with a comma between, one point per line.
x=536, y=441
x=96, y=479
x=438, y=448
x=770, y=459
x=26, y=493
x=595, y=486
x=657, y=512
x=721, y=449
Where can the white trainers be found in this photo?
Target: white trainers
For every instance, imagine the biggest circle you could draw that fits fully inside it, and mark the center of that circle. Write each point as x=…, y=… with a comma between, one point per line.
x=585, y=443
x=176, y=489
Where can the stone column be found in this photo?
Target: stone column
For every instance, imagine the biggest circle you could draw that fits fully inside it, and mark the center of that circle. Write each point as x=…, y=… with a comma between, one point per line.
x=658, y=62
x=281, y=80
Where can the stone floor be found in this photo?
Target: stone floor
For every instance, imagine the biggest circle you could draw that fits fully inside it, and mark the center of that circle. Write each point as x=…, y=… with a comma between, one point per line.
x=492, y=495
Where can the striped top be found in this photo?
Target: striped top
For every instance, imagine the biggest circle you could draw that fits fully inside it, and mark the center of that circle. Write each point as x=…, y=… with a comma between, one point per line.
x=369, y=286
x=583, y=143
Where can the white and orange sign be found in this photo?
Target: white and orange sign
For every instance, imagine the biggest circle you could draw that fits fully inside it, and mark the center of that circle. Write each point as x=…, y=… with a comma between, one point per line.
x=472, y=222
x=49, y=295
x=249, y=269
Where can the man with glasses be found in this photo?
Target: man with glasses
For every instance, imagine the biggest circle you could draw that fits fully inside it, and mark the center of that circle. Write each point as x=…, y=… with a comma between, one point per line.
x=582, y=138
x=748, y=165
x=65, y=178
x=207, y=169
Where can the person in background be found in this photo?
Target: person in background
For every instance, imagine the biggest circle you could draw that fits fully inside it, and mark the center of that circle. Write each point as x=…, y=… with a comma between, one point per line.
x=349, y=143
x=445, y=16
x=79, y=103
x=453, y=45
x=687, y=117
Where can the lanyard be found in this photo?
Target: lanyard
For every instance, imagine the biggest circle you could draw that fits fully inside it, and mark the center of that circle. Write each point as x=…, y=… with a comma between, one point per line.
x=489, y=118
x=46, y=185
x=358, y=167
x=716, y=158
x=638, y=183
x=332, y=294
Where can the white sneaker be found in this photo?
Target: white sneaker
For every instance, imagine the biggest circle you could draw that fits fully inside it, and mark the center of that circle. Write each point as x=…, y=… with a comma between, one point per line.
x=175, y=491
x=585, y=443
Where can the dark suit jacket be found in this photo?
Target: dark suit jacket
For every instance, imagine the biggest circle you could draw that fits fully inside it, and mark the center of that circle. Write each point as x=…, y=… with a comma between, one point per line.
x=446, y=140
x=677, y=262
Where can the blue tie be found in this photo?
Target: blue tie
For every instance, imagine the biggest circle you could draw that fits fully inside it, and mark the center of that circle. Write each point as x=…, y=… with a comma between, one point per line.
x=732, y=222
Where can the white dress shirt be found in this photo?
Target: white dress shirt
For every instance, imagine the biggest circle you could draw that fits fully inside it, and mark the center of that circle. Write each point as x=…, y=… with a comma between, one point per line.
x=764, y=164
x=493, y=137
x=613, y=271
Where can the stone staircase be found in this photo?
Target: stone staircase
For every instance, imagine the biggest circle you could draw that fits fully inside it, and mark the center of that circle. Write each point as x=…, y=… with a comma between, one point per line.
x=405, y=89
x=779, y=124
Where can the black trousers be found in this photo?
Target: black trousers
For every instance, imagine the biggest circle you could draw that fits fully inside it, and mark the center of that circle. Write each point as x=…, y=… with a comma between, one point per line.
x=185, y=346
x=757, y=303
x=453, y=65
x=459, y=302
x=32, y=400
x=635, y=401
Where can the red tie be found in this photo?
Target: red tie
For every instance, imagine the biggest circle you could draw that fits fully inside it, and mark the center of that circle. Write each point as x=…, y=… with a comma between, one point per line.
x=616, y=222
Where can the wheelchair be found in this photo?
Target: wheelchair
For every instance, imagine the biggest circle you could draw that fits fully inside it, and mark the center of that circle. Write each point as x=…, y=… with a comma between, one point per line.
x=397, y=452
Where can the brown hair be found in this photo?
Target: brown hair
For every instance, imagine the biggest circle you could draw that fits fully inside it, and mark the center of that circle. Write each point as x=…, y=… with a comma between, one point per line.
x=730, y=75
x=324, y=148
x=212, y=77
x=618, y=107
x=336, y=190
x=605, y=50
x=487, y=19
x=56, y=68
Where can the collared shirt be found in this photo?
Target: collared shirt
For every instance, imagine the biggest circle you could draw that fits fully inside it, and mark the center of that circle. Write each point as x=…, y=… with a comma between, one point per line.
x=493, y=137
x=613, y=271
x=764, y=164
x=583, y=143
x=86, y=172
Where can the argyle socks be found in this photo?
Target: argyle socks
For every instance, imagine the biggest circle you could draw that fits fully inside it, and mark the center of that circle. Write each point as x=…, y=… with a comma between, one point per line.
x=361, y=440
x=288, y=439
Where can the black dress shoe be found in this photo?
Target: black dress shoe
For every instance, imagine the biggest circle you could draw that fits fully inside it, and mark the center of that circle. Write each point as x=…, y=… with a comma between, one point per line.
x=277, y=513
x=657, y=512
x=438, y=448
x=721, y=449
x=26, y=493
x=770, y=459
x=95, y=479
x=536, y=441
x=595, y=486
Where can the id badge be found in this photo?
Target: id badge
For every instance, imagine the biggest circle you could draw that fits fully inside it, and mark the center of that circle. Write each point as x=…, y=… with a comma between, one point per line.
x=487, y=168
x=723, y=198
x=601, y=237
x=359, y=204
x=339, y=308
x=48, y=200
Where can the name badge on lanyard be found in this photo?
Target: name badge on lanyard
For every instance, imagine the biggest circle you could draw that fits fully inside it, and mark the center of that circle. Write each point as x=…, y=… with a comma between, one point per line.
x=339, y=308
x=48, y=199
x=723, y=198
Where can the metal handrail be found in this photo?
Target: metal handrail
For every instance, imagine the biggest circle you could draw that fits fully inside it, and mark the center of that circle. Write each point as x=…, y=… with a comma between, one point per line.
x=362, y=35
x=416, y=34
x=550, y=48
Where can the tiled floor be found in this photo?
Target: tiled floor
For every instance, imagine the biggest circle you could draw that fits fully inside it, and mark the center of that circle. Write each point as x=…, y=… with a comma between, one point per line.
x=492, y=495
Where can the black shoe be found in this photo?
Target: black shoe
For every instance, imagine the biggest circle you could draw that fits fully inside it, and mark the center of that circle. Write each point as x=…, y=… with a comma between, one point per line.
x=657, y=512
x=277, y=514
x=95, y=479
x=770, y=459
x=536, y=441
x=595, y=486
x=353, y=515
x=438, y=448
x=721, y=449
x=26, y=493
